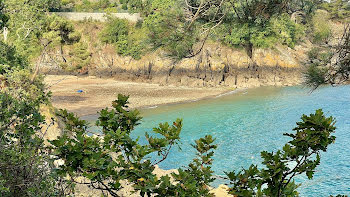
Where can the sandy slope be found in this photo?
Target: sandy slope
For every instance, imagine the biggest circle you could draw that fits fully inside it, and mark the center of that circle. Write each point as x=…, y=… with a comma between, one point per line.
x=98, y=93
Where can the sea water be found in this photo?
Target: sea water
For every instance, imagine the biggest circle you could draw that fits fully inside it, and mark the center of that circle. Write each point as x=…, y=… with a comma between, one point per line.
x=247, y=122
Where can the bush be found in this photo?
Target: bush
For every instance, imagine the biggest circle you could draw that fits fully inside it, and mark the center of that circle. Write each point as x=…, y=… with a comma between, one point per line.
x=168, y=30
x=9, y=57
x=58, y=30
x=127, y=38
x=322, y=31
x=80, y=56
x=91, y=157
x=25, y=166
x=114, y=29
x=338, y=9
x=314, y=53
x=287, y=31
x=280, y=29
x=125, y=6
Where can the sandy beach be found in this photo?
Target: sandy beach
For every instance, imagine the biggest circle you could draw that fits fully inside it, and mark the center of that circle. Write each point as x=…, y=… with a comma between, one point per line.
x=98, y=93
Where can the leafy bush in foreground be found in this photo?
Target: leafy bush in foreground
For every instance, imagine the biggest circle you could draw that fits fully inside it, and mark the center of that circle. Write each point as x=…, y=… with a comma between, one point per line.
x=114, y=157
x=105, y=162
x=299, y=156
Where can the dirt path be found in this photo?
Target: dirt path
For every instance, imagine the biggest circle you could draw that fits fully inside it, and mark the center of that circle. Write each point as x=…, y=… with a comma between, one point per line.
x=99, y=93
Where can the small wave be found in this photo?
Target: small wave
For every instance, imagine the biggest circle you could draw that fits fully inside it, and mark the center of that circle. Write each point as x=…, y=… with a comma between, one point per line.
x=231, y=92
x=153, y=107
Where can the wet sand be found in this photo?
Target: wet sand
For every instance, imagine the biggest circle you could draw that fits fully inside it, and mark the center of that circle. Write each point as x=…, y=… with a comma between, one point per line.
x=98, y=93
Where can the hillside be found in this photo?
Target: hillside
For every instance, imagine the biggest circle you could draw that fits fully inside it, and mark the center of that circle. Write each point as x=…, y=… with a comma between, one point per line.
x=216, y=65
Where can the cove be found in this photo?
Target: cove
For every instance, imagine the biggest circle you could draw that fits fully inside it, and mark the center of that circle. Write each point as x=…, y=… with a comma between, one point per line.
x=247, y=122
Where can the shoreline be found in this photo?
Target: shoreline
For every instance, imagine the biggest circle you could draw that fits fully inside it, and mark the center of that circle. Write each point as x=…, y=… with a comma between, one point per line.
x=98, y=93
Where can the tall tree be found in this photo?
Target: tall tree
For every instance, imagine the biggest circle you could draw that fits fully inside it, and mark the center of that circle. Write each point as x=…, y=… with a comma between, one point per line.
x=249, y=23
x=335, y=69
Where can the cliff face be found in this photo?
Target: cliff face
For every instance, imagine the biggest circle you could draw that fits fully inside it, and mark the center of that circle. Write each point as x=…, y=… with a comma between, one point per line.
x=216, y=65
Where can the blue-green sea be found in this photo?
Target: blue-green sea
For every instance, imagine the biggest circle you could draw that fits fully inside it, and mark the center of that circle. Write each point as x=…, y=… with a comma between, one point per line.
x=247, y=122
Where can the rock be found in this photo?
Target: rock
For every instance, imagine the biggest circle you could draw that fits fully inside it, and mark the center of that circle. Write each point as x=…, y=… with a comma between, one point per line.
x=217, y=65
x=231, y=81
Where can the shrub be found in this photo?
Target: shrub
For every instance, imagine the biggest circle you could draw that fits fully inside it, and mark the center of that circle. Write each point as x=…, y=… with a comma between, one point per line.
x=114, y=29
x=287, y=31
x=80, y=56
x=125, y=6
x=25, y=166
x=322, y=31
x=127, y=38
x=338, y=9
x=92, y=158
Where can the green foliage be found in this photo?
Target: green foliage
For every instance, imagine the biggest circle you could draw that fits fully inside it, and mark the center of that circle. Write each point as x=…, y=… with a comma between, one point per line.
x=80, y=56
x=3, y=17
x=137, y=6
x=10, y=58
x=114, y=29
x=32, y=29
x=87, y=5
x=59, y=31
x=16, y=76
x=319, y=55
x=116, y=156
x=286, y=31
x=279, y=29
x=22, y=154
x=126, y=46
x=338, y=9
x=25, y=166
x=306, y=6
x=168, y=30
x=299, y=156
x=243, y=35
x=259, y=24
x=195, y=179
x=25, y=22
x=127, y=38
x=322, y=31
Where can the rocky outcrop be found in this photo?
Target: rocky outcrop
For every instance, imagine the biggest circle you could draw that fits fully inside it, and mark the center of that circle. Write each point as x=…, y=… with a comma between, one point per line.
x=216, y=65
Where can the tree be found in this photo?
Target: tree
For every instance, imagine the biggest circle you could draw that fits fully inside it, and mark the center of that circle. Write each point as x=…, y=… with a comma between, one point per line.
x=259, y=23
x=25, y=164
x=80, y=56
x=299, y=156
x=26, y=20
x=3, y=17
x=181, y=28
x=335, y=68
x=104, y=163
x=308, y=7
x=58, y=31
x=114, y=29
x=10, y=58
x=338, y=9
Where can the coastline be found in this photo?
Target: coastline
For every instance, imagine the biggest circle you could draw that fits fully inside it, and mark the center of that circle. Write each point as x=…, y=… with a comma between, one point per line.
x=98, y=93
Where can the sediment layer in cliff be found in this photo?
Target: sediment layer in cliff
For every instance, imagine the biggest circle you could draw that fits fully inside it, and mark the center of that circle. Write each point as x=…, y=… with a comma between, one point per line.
x=216, y=65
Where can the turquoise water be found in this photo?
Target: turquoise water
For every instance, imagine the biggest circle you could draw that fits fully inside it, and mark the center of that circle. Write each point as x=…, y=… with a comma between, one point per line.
x=249, y=121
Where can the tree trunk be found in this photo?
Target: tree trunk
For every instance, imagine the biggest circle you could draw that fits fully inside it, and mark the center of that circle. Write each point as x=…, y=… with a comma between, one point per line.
x=249, y=50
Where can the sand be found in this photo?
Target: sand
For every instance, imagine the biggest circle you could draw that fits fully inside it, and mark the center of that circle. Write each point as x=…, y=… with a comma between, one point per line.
x=98, y=93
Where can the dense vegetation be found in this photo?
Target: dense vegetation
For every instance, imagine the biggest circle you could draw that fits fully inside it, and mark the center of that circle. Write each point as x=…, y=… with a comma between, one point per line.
x=247, y=24
x=106, y=161
x=32, y=166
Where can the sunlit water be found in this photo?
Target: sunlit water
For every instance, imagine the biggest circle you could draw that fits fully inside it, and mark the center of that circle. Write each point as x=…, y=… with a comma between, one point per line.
x=247, y=122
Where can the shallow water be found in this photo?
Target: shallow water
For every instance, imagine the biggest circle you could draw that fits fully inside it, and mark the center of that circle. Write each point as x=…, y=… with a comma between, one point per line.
x=247, y=122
